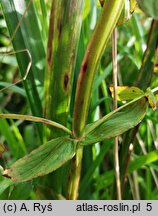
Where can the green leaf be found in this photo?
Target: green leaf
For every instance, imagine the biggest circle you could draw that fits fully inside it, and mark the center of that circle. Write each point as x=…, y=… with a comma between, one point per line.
x=27, y=37
x=143, y=160
x=4, y=184
x=65, y=18
x=2, y=149
x=150, y=8
x=25, y=187
x=13, y=88
x=87, y=177
x=43, y=160
x=10, y=138
x=116, y=122
x=125, y=93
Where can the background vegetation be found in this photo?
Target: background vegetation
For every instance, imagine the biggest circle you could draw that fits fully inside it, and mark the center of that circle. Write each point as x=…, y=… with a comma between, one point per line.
x=60, y=59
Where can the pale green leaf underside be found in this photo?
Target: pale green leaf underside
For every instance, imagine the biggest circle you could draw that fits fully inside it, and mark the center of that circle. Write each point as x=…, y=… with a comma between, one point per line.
x=116, y=123
x=43, y=160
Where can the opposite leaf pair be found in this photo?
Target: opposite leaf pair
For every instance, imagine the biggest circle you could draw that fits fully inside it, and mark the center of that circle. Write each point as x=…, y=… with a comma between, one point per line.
x=52, y=155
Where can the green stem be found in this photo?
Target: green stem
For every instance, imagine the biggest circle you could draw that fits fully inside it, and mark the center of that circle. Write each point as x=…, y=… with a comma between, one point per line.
x=108, y=20
x=72, y=192
x=97, y=44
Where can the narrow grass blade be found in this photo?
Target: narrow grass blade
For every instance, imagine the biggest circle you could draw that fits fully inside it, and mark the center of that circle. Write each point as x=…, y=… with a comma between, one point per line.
x=87, y=177
x=42, y=160
x=141, y=161
x=26, y=188
x=19, y=137
x=116, y=122
x=4, y=184
x=147, y=67
x=137, y=30
x=13, y=145
x=14, y=88
x=28, y=37
x=143, y=81
x=64, y=32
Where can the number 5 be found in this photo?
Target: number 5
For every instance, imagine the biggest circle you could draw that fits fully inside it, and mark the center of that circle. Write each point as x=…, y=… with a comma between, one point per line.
x=149, y=207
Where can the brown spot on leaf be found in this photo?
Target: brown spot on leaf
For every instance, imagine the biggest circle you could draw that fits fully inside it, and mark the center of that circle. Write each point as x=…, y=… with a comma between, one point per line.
x=59, y=29
x=66, y=81
x=81, y=103
x=84, y=67
x=49, y=57
x=101, y=2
